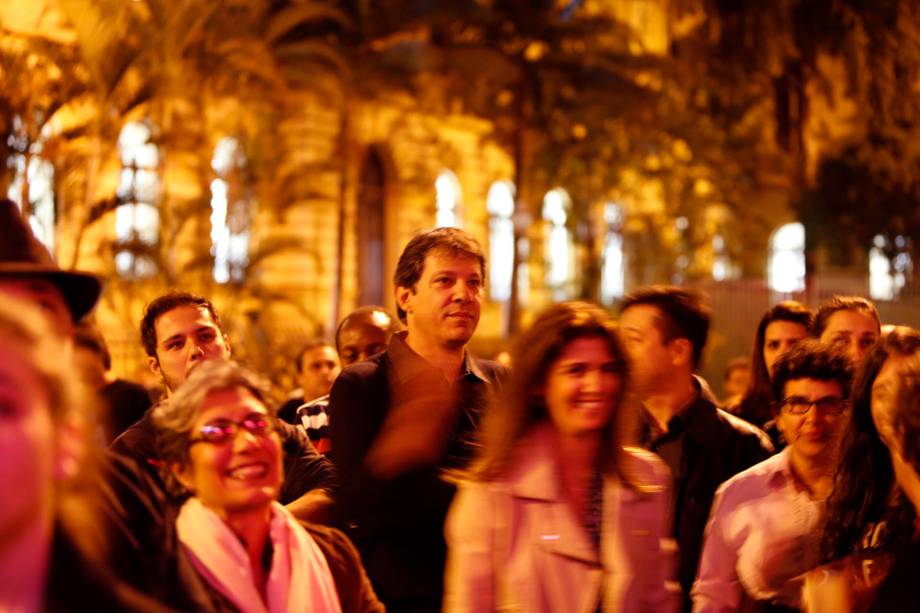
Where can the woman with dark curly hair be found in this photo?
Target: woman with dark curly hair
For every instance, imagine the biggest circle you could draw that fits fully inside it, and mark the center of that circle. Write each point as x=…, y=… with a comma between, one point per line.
x=781, y=327
x=898, y=592
x=864, y=513
x=867, y=517
x=558, y=514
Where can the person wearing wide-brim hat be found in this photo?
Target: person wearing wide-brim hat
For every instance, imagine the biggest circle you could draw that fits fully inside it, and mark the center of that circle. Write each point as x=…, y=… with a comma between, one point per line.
x=28, y=271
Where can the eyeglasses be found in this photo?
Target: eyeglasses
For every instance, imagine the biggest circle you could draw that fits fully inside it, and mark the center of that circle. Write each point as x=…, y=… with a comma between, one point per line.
x=219, y=431
x=830, y=405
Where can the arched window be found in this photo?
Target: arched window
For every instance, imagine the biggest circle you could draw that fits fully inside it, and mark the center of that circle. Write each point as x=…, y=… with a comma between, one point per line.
x=230, y=212
x=33, y=179
x=500, y=205
x=447, y=199
x=786, y=268
x=559, y=252
x=887, y=274
x=136, y=218
x=613, y=269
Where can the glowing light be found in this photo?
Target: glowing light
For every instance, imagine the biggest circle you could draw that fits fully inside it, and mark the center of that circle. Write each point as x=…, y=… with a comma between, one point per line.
x=786, y=269
x=500, y=205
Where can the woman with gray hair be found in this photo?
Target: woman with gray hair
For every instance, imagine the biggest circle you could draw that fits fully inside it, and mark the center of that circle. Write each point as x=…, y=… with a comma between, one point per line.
x=218, y=440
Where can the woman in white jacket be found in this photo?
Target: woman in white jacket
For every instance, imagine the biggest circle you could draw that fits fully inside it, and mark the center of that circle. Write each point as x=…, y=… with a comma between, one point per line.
x=558, y=514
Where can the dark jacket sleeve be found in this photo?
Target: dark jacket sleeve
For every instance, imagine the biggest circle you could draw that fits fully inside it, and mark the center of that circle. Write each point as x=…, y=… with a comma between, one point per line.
x=355, y=416
x=356, y=595
x=305, y=469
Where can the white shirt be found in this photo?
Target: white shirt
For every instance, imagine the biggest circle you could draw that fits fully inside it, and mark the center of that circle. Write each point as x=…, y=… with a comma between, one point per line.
x=763, y=532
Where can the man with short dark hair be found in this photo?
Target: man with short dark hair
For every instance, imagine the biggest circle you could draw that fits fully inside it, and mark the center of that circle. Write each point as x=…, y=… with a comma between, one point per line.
x=317, y=367
x=363, y=333
x=180, y=330
x=764, y=530
x=664, y=330
x=400, y=418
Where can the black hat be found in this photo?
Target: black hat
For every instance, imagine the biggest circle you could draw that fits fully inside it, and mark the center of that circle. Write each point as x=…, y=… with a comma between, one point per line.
x=22, y=255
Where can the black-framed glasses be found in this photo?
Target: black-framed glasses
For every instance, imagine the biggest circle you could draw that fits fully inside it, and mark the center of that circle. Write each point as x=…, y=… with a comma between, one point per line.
x=222, y=430
x=799, y=405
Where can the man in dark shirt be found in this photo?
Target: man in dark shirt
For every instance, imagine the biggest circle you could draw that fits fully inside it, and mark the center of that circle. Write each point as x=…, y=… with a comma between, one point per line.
x=402, y=417
x=363, y=333
x=665, y=330
x=179, y=331
x=317, y=367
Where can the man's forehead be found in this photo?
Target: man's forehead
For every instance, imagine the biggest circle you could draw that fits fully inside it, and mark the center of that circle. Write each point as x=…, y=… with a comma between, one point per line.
x=808, y=384
x=640, y=313
x=319, y=353
x=444, y=259
x=187, y=313
x=357, y=330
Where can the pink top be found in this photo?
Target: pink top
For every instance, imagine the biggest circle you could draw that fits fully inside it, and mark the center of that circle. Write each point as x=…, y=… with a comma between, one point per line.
x=763, y=533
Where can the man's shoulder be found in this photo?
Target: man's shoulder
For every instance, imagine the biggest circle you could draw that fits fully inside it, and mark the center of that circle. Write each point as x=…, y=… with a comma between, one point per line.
x=366, y=370
x=743, y=431
x=139, y=439
x=491, y=370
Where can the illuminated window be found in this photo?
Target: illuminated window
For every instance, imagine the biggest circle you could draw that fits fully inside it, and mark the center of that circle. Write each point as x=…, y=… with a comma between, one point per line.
x=33, y=179
x=560, y=255
x=500, y=205
x=722, y=267
x=230, y=213
x=136, y=218
x=887, y=274
x=786, y=268
x=613, y=269
x=447, y=194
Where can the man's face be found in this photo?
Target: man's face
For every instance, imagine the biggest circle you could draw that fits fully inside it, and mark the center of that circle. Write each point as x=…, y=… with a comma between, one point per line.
x=186, y=336
x=737, y=381
x=318, y=369
x=651, y=356
x=816, y=434
x=852, y=331
x=443, y=308
x=45, y=295
x=361, y=340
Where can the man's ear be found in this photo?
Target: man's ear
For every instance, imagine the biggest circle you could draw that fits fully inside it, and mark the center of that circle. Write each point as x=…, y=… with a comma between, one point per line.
x=404, y=298
x=154, y=366
x=682, y=351
x=227, y=343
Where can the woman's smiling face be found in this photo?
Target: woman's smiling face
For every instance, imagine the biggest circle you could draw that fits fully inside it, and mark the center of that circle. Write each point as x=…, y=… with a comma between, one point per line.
x=583, y=386
x=242, y=473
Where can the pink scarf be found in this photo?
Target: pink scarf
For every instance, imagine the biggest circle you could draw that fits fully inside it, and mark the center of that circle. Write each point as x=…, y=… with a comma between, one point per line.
x=299, y=579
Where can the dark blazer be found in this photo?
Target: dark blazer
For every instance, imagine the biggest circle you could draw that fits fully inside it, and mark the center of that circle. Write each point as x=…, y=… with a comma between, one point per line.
x=716, y=446
x=397, y=524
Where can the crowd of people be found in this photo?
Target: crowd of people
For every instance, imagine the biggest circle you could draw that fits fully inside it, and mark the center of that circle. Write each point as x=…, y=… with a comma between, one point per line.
x=593, y=470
